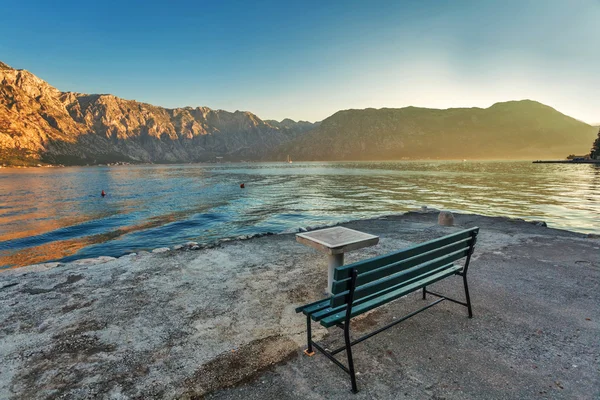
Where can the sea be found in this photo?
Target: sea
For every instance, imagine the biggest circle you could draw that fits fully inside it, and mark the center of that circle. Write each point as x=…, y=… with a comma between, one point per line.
x=58, y=214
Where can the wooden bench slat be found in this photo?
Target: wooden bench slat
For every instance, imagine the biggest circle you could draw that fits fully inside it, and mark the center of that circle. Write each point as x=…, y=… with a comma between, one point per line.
x=393, y=280
x=378, y=262
x=325, y=312
x=313, y=307
x=299, y=309
x=390, y=269
x=386, y=298
x=423, y=270
x=317, y=316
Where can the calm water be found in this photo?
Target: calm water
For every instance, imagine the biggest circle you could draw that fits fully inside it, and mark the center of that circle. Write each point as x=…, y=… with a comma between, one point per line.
x=50, y=214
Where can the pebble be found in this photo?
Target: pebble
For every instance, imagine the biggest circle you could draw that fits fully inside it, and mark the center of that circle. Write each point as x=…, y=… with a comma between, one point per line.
x=161, y=250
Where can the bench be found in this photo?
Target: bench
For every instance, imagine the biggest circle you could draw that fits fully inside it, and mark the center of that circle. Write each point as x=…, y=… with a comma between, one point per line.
x=368, y=284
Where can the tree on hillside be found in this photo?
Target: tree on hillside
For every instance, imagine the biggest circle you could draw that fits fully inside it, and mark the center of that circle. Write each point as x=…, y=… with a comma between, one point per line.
x=595, y=152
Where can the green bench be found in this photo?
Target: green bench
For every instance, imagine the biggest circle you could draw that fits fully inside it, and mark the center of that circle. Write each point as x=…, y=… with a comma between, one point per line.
x=368, y=284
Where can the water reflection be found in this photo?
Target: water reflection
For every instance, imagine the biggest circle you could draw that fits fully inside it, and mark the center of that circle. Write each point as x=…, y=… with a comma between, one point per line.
x=48, y=214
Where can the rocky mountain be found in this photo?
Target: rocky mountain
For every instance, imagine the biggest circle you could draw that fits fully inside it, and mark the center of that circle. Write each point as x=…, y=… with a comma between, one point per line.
x=290, y=124
x=39, y=123
x=514, y=129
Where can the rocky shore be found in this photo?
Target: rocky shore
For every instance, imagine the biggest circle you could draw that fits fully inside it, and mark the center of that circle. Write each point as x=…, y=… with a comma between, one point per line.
x=219, y=322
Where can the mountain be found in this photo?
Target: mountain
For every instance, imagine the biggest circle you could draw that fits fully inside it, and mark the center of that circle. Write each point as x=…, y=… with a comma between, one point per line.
x=290, y=124
x=39, y=123
x=514, y=129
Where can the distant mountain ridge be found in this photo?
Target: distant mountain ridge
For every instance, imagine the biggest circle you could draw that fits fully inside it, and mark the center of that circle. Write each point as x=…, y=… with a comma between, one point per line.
x=300, y=126
x=39, y=123
x=514, y=129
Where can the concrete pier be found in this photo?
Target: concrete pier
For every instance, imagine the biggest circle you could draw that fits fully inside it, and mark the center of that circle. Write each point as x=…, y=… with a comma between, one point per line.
x=220, y=322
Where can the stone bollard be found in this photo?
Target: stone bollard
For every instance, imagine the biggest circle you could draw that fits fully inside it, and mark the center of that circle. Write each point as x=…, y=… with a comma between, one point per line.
x=445, y=218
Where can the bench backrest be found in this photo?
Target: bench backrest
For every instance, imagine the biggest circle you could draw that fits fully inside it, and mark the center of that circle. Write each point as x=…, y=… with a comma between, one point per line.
x=380, y=275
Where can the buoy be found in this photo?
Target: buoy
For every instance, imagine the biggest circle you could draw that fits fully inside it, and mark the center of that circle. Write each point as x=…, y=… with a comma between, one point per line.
x=103, y=194
x=242, y=186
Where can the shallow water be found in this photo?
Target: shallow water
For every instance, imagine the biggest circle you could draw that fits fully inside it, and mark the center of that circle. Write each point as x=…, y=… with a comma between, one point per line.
x=58, y=213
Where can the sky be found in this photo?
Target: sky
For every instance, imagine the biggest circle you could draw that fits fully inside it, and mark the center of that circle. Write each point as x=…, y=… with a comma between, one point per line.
x=306, y=60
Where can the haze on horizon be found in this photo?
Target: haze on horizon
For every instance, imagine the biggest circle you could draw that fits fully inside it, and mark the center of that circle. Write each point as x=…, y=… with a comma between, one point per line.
x=308, y=60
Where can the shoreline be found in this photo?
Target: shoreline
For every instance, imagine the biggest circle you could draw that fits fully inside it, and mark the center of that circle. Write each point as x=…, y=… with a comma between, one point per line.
x=212, y=163
x=182, y=324
x=566, y=162
x=194, y=246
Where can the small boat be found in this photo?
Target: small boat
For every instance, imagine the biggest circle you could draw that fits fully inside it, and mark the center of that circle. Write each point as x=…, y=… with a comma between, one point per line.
x=289, y=159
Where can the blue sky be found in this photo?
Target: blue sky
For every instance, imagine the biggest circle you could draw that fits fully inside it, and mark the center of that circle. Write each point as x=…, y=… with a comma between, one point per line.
x=308, y=59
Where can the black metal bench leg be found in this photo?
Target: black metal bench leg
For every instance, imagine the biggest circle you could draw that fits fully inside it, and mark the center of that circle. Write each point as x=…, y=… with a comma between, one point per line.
x=467, y=296
x=309, y=351
x=350, y=360
x=424, y=292
x=347, y=330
